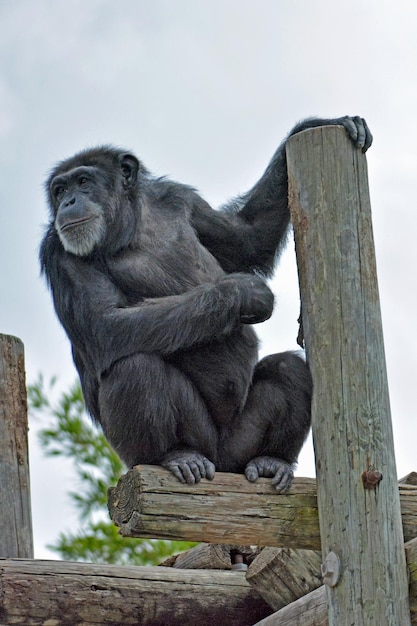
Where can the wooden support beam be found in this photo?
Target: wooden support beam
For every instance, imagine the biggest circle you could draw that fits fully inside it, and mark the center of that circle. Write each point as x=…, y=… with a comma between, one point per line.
x=211, y=556
x=357, y=487
x=311, y=609
x=56, y=592
x=148, y=501
x=411, y=556
x=40, y=593
x=35, y=593
x=282, y=575
x=15, y=512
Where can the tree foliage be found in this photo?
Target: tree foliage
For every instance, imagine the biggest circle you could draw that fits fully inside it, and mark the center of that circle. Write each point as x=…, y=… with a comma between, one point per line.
x=69, y=433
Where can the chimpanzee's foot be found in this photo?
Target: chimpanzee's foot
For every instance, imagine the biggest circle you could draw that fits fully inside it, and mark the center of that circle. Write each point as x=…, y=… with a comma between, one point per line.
x=268, y=466
x=189, y=466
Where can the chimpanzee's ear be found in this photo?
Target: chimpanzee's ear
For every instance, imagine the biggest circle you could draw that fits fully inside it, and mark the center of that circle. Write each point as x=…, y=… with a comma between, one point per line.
x=130, y=167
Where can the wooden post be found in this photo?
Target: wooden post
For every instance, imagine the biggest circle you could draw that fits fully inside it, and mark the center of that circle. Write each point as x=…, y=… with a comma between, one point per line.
x=15, y=512
x=359, y=509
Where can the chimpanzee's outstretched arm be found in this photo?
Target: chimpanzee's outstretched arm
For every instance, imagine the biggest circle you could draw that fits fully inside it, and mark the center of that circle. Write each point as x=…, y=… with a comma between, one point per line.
x=249, y=233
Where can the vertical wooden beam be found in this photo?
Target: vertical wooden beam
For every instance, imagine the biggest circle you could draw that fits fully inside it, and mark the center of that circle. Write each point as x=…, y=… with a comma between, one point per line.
x=15, y=512
x=359, y=510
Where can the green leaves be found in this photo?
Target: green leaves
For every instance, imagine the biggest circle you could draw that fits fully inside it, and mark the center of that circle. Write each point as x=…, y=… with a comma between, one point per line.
x=100, y=542
x=70, y=433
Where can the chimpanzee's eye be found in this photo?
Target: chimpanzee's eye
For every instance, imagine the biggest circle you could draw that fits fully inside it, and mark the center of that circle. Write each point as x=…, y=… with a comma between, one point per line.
x=58, y=190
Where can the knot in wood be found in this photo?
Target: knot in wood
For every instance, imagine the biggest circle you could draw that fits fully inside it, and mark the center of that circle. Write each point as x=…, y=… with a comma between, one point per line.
x=371, y=479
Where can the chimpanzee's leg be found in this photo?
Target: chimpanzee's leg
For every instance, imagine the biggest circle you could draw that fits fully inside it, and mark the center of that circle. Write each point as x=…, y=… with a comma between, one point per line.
x=151, y=413
x=267, y=438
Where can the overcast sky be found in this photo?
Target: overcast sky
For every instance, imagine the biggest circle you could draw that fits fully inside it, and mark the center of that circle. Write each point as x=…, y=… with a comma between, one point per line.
x=203, y=91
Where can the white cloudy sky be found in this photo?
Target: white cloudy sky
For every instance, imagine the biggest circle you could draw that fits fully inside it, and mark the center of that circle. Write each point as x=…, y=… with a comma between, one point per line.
x=203, y=91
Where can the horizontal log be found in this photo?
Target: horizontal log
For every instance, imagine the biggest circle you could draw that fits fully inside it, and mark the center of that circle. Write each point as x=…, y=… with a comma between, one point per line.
x=35, y=593
x=211, y=556
x=201, y=556
x=148, y=501
x=310, y=610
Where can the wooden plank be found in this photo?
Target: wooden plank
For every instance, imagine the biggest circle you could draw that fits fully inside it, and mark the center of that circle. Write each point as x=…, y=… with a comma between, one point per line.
x=15, y=511
x=58, y=593
x=358, y=500
x=149, y=501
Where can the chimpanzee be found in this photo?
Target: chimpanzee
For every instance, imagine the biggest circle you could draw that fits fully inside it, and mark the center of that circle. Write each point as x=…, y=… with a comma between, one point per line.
x=157, y=293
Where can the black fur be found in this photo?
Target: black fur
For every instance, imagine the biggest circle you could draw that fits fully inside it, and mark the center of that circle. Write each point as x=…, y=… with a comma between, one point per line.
x=156, y=292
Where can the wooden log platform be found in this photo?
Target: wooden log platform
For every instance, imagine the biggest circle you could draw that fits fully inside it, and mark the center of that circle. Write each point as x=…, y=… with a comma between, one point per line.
x=36, y=593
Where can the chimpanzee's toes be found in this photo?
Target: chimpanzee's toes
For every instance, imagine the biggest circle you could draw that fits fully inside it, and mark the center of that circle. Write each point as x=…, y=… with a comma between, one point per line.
x=280, y=471
x=189, y=466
